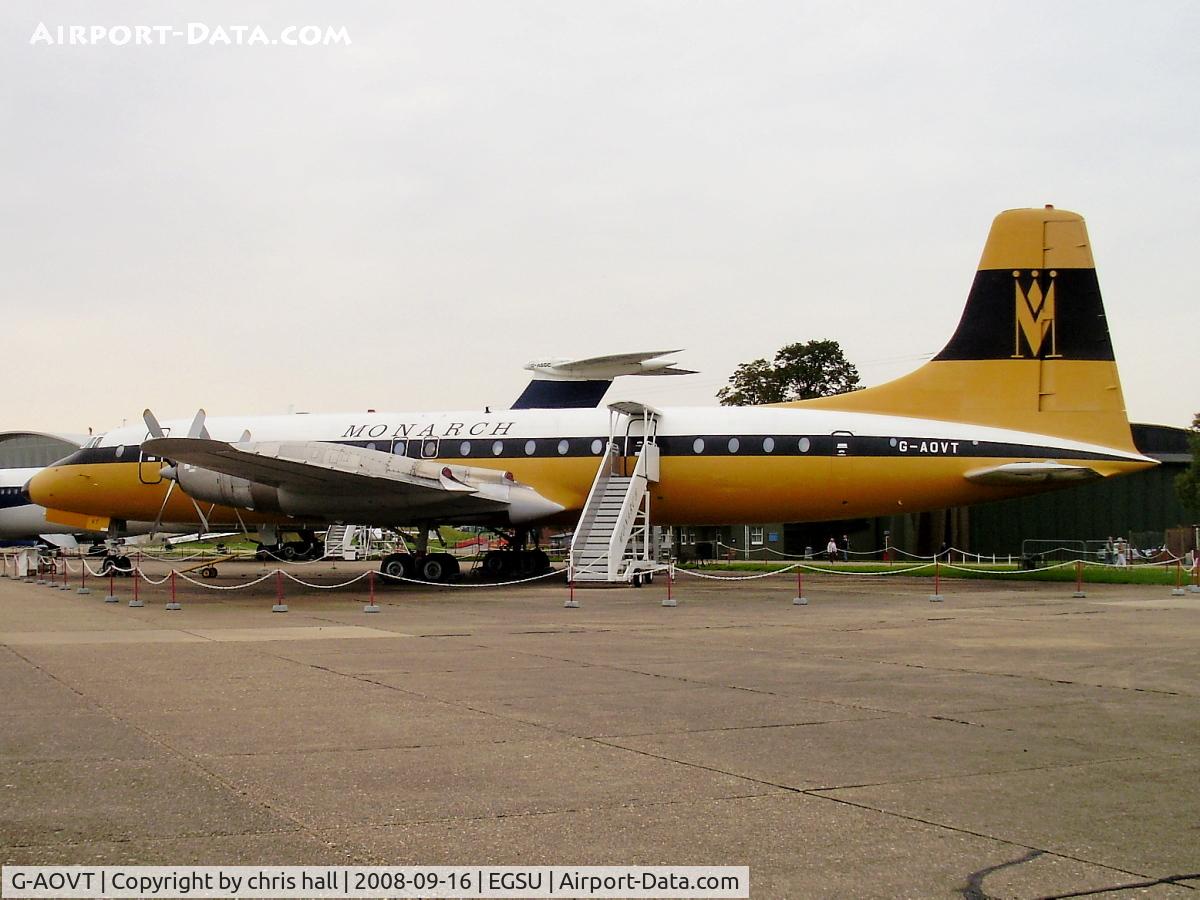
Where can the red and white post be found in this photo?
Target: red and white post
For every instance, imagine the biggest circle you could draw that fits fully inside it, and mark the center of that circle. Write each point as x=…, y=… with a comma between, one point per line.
x=280, y=604
x=799, y=599
x=372, y=606
x=173, y=604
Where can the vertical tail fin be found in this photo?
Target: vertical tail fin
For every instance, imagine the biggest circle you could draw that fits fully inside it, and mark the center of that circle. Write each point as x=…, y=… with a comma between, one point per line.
x=1032, y=351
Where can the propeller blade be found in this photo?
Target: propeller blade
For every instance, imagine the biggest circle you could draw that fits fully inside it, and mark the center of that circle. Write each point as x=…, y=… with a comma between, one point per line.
x=152, y=425
x=197, y=429
x=203, y=518
x=161, y=510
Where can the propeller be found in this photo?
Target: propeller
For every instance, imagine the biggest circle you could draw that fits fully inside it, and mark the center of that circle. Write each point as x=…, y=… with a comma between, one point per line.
x=171, y=472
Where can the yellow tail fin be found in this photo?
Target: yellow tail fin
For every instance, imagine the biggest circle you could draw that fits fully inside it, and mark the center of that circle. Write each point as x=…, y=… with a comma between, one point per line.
x=1032, y=351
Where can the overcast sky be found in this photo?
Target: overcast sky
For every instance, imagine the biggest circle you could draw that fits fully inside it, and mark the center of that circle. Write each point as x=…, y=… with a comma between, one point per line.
x=403, y=223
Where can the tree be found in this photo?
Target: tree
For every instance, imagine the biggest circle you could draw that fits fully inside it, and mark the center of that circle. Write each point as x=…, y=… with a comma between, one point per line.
x=799, y=371
x=1188, y=483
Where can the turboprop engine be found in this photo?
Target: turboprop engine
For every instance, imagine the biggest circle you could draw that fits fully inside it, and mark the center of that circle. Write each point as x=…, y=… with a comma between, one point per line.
x=208, y=486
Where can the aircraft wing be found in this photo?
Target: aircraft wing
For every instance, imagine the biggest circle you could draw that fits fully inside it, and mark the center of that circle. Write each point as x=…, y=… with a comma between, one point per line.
x=1026, y=472
x=335, y=481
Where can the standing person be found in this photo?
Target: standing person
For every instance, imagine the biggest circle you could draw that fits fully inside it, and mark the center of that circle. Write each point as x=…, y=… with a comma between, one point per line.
x=1110, y=553
x=1122, y=549
x=845, y=548
x=832, y=549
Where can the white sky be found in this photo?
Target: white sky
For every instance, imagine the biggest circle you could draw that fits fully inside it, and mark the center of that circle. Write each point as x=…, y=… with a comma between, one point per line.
x=403, y=223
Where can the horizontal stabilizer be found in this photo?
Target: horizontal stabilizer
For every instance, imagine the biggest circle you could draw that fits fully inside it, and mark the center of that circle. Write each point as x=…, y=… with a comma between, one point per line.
x=648, y=362
x=1031, y=472
x=582, y=383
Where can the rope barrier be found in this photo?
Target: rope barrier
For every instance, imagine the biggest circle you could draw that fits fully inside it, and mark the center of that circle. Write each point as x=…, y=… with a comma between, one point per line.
x=737, y=577
x=325, y=587
x=218, y=587
x=451, y=584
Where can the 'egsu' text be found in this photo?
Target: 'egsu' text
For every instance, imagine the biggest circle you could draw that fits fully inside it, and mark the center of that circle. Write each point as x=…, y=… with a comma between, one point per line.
x=415, y=430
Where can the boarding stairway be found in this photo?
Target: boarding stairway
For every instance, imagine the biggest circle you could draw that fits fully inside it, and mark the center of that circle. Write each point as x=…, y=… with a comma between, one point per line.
x=613, y=540
x=347, y=542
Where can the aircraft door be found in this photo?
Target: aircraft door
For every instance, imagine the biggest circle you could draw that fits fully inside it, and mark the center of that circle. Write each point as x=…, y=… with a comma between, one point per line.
x=150, y=467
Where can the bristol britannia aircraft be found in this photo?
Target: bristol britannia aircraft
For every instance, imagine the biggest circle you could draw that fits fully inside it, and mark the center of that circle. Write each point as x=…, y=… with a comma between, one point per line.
x=1025, y=397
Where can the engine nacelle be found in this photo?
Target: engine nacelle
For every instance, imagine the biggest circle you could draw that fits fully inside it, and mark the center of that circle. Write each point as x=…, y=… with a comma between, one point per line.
x=225, y=490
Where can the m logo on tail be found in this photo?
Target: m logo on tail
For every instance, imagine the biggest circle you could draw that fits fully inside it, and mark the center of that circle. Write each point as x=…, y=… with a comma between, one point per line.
x=1034, y=316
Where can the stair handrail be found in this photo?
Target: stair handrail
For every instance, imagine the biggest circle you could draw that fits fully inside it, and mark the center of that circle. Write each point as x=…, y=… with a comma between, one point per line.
x=603, y=473
x=623, y=527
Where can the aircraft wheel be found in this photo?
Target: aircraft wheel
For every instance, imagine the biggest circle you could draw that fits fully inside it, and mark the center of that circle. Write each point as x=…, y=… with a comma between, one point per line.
x=288, y=551
x=541, y=562
x=527, y=563
x=434, y=568
x=398, y=565
x=497, y=563
x=450, y=563
x=208, y=572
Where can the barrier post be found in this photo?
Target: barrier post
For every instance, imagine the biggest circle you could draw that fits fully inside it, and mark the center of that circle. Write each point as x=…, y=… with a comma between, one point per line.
x=112, y=587
x=799, y=599
x=571, y=603
x=173, y=604
x=1079, y=592
x=936, y=596
x=66, y=571
x=1194, y=587
x=136, y=602
x=279, y=606
x=1178, y=591
x=83, y=588
x=371, y=606
x=669, y=600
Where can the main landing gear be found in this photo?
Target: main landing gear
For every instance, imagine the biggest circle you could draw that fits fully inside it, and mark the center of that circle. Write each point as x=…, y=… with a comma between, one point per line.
x=514, y=560
x=509, y=562
x=435, y=567
x=308, y=547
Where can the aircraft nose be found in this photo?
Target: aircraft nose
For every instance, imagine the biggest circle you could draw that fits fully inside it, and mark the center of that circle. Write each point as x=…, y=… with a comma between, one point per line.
x=44, y=486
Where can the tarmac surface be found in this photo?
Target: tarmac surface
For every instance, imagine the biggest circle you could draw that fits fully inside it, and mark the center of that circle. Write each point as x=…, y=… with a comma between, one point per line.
x=1009, y=742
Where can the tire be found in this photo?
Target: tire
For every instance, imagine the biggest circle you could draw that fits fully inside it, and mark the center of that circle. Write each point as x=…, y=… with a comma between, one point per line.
x=542, y=562
x=497, y=563
x=526, y=563
x=288, y=551
x=434, y=569
x=208, y=572
x=122, y=565
x=450, y=563
x=397, y=565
